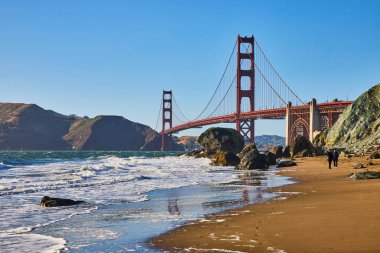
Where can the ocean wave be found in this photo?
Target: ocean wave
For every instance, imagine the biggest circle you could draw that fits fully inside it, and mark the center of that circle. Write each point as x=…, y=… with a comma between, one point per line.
x=98, y=180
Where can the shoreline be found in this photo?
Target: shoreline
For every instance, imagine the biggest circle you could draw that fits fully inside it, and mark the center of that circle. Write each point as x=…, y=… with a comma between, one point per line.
x=329, y=213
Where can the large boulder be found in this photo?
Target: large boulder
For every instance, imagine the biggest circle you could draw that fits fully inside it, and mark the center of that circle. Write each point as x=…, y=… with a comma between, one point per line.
x=54, y=202
x=222, y=139
x=277, y=150
x=301, y=147
x=251, y=159
x=358, y=127
x=222, y=158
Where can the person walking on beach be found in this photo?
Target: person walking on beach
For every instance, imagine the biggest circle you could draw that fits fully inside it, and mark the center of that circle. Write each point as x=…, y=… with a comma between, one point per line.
x=329, y=157
x=335, y=158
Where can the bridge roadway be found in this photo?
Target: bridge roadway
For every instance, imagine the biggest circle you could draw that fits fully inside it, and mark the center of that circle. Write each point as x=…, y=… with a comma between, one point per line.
x=278, y=113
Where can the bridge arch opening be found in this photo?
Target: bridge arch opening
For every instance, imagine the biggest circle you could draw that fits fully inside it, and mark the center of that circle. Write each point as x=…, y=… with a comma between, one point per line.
x=245, y=83
x=299, y=128
x=245, y=64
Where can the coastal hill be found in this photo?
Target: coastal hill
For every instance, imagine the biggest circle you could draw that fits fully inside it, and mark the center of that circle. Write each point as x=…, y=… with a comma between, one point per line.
x=30, y=127
x=358, y=127
x=108, y=133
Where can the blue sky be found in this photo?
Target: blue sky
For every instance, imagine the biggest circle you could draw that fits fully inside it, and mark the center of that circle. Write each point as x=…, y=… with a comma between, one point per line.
x=115, y=57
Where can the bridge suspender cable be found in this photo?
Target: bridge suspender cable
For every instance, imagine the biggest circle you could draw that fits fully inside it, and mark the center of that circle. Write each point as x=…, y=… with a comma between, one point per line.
x=158, y=116
x=282, y=80
x=233, y=80
x=220, y=82
x=179, y=109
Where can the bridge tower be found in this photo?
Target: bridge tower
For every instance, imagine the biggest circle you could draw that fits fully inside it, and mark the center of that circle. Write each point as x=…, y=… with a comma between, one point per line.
x=167, y=114
x=245, y=127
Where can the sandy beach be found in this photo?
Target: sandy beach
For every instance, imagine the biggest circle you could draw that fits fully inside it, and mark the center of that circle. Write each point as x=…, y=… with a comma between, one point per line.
x=325, y=211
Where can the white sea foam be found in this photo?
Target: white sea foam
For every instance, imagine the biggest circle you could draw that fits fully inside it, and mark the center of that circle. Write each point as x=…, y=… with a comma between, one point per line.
x=104, y=180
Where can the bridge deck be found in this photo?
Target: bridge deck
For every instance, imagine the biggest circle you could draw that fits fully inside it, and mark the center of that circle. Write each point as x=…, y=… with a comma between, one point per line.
x=278, y=113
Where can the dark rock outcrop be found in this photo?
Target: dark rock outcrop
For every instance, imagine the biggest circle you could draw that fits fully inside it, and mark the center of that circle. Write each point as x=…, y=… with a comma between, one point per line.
x=277, y=150
x=222, y=158
x=286, y=152
x=270, y=158
x=286, y=163
x=54, y=202
x=222, y=139
x=251, y=159
x=301, y=147
x=358, y=127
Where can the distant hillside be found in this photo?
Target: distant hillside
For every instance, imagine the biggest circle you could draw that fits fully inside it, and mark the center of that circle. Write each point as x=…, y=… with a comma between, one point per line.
x=265, y=142
x=30, y=127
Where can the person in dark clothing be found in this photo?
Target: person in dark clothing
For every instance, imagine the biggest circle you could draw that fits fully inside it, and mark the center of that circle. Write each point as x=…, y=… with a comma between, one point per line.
x=329, y=157
x=335, y=158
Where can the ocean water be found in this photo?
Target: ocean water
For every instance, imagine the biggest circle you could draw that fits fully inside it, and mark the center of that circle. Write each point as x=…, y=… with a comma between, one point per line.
x=130, y=197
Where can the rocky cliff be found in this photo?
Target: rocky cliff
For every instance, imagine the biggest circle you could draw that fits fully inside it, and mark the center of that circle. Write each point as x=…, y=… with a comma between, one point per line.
x=358, y=127
x=30, y=127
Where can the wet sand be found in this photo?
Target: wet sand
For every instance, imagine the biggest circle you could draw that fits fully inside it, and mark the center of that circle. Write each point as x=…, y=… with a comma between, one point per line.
x=324, y=212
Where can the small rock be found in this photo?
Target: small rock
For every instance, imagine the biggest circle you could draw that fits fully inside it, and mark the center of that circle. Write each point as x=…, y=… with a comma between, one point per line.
x=370, y=163
x=359, y=166
x=365, y=175
x=375, y=155
x=286, y=163
x=204, y=153
x=53, y=202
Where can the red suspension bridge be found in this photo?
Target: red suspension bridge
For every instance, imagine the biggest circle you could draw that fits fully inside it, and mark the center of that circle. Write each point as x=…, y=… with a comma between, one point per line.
x=250, y=89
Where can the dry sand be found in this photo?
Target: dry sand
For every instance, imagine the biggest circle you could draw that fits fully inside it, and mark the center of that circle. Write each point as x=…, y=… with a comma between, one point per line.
x=328, y=213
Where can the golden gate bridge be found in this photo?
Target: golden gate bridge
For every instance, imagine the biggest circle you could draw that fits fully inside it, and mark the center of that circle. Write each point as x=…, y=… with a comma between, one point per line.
x=249, y=89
